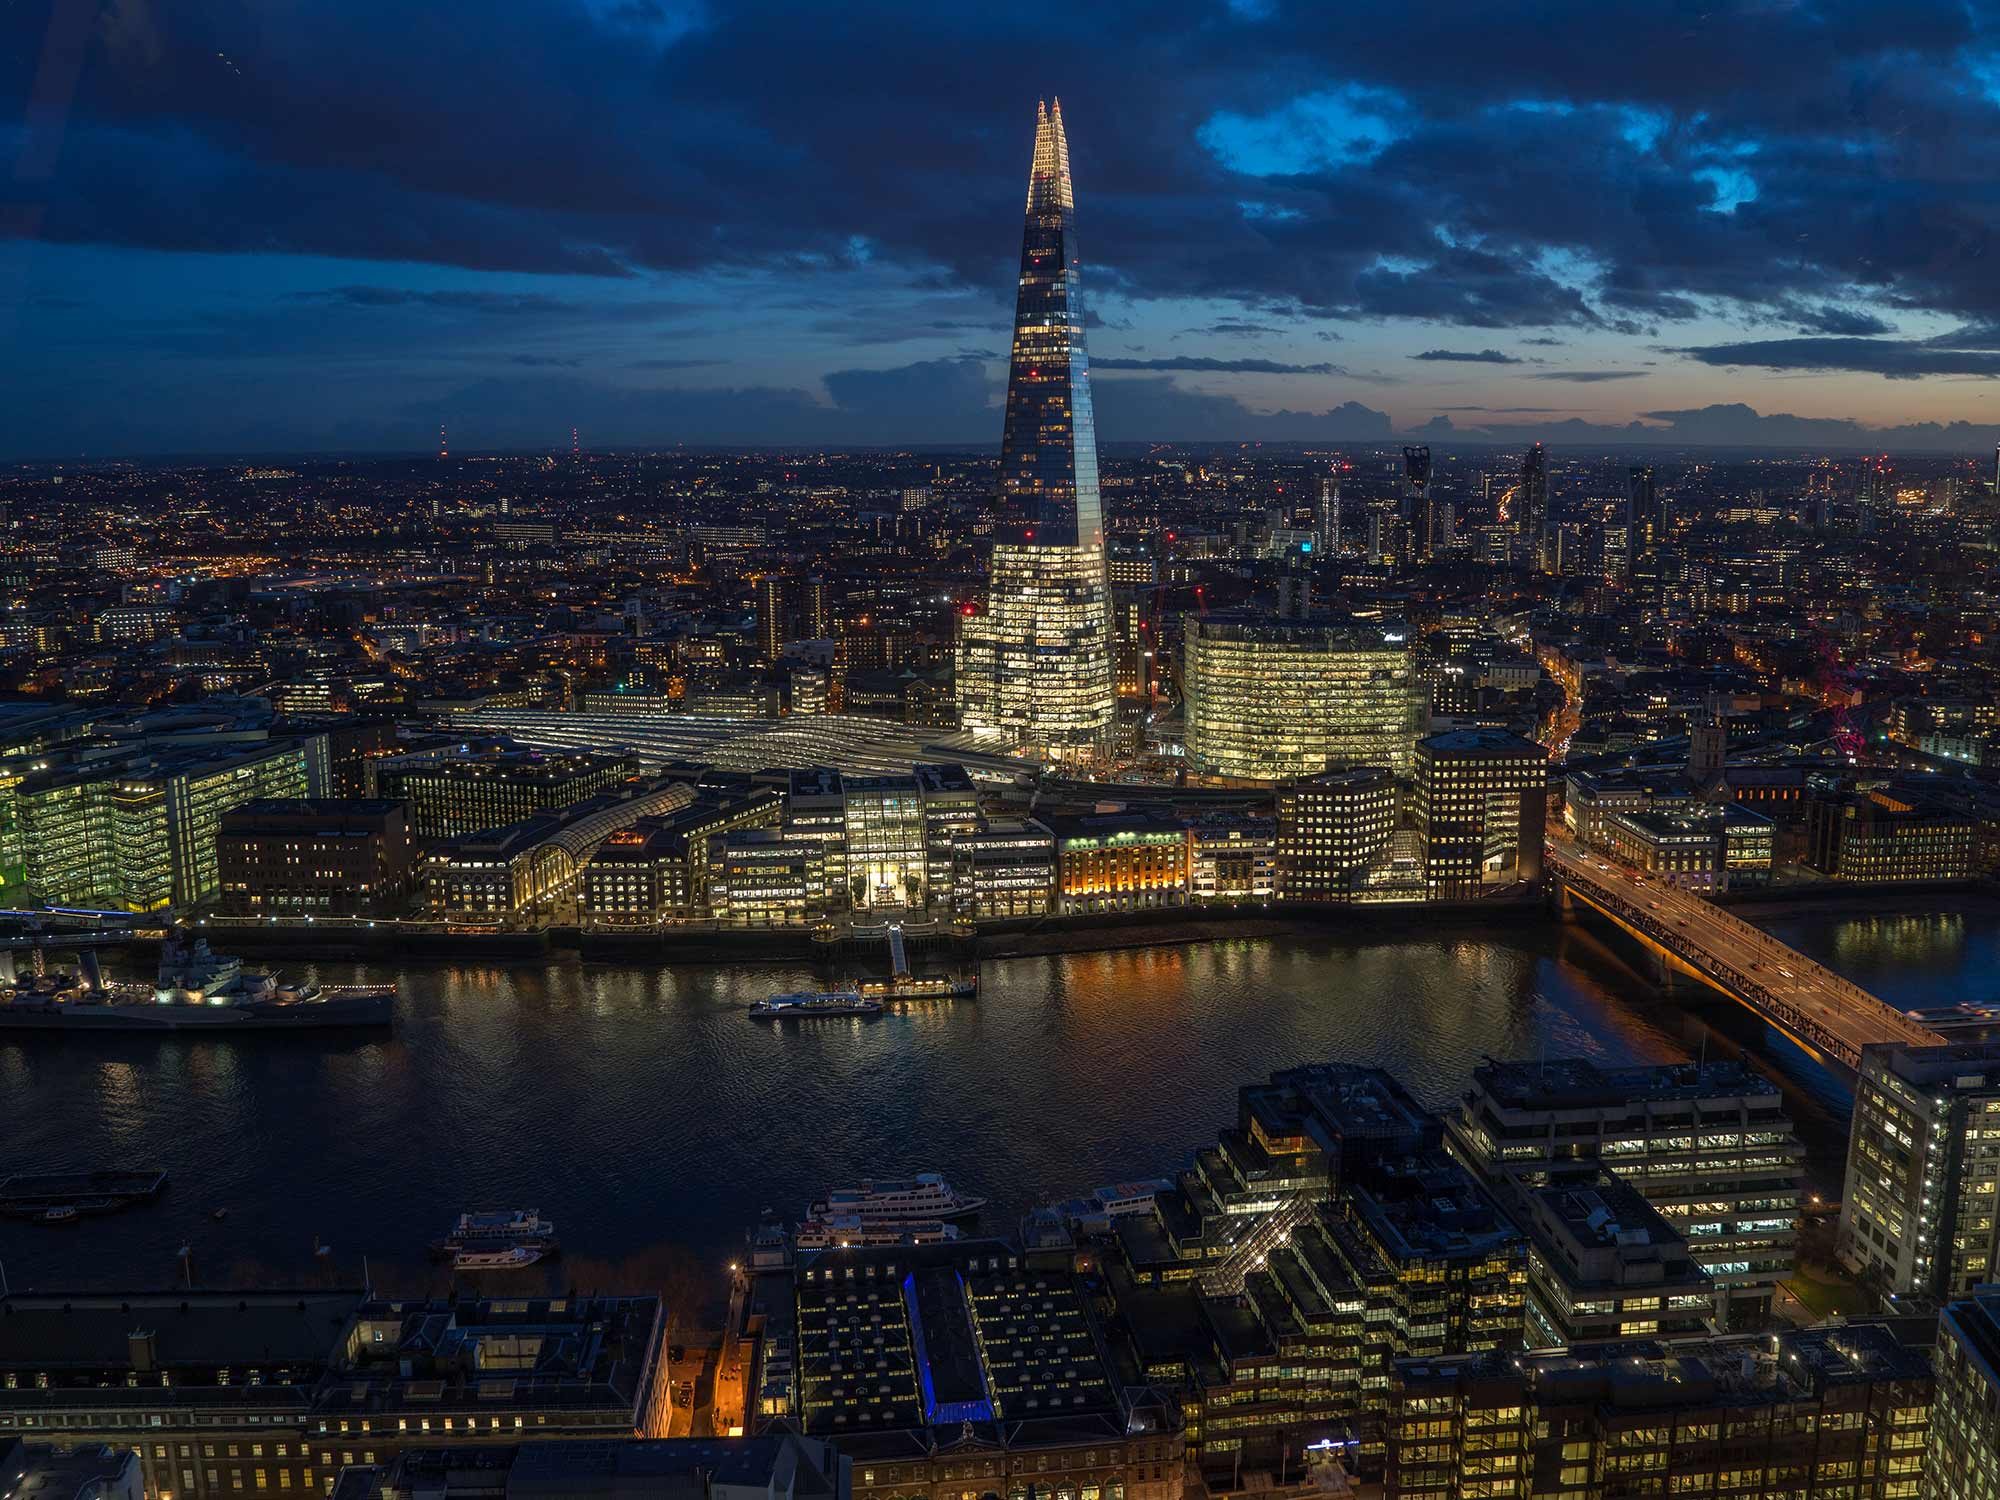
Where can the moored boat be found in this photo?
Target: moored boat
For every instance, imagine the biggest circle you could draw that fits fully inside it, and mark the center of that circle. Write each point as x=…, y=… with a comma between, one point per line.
x=803, y=1004
x=194, y=990
x=499, y=1229
x=923, y=1197
x=514, y=1258
x=845, y=1230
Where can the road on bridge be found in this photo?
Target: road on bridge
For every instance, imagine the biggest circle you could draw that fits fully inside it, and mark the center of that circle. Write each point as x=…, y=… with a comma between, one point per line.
x=1816, y=1005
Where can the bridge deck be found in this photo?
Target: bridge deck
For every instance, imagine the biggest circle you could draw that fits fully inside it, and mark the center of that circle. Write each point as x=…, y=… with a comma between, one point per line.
x=1810, y=1002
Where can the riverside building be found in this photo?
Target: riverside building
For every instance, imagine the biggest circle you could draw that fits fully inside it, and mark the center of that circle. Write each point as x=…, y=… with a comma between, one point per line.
x=1710, y=1146
x=1481, y=799
x=1917, y=1213
x=1330, y=829
x=1276, y=700
x=1035, y=663
x=136, y=831
x=338, y=857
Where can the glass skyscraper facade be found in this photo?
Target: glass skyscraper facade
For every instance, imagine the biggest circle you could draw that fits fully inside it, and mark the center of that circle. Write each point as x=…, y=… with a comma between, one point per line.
x=1036, y=663
x=1274, y=700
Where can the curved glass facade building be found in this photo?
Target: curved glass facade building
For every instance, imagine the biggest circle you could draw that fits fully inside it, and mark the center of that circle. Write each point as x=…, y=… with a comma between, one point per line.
x=1274, y=700
x=1035, y=665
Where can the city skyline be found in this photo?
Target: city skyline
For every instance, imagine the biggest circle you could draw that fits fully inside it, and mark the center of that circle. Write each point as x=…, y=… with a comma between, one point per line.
x=338, y=230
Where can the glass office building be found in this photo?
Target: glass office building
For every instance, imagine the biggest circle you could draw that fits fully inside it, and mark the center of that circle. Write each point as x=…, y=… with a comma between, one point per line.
x=1276, y=700
x=1035, y=664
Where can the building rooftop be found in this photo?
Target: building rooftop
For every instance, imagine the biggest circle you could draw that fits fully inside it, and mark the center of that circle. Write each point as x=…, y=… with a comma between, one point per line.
x=1578, y=1083
x=1728, y=1370
x=1480, y=742
x=41, y=1471
x=493, y=1354
x=787, y=1466
x=188, y=1330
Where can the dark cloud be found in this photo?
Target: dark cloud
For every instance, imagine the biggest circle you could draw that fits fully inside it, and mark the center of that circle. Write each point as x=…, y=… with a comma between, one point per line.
x=1897, y=359
x=1587, y=377
x=1470, y=357
x=1840, y=321
x=503, y=304
x=1191, y=362
x=1812, y=166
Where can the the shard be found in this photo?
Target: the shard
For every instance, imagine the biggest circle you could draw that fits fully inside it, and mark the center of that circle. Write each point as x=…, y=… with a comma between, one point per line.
x=1035, y=663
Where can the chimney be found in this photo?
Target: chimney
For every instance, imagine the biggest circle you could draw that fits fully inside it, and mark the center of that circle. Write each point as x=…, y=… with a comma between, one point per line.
x=142, y=1348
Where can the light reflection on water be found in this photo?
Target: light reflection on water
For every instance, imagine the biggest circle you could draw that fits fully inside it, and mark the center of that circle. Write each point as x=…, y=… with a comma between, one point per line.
x=637, y=1105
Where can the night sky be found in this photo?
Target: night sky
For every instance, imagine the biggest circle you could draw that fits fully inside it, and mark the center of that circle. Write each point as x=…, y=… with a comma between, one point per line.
x=269, y=225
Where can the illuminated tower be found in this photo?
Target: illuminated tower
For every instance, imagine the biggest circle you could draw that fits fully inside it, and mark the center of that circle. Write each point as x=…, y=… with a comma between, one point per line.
x=1534, y=507
x=1035, y=665
x=1326, y=518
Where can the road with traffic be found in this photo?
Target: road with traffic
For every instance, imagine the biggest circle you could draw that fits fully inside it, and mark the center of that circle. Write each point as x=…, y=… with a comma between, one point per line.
x=1816, y=1006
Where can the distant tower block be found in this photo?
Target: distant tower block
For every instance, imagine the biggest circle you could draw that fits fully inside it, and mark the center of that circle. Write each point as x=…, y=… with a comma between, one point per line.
x=575, y=448
x=444, y=448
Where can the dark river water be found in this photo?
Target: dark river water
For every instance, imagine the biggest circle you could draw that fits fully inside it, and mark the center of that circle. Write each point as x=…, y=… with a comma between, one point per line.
x=639, y=1108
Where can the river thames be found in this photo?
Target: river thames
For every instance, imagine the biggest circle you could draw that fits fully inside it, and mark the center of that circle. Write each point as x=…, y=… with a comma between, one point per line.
x=638, y=1107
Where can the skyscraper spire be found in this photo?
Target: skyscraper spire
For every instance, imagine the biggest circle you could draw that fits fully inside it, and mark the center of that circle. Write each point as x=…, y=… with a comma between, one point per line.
x=1048, y=451
x=1049, y=189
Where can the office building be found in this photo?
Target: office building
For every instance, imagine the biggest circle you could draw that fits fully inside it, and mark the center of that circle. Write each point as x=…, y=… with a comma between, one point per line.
x=767, y=877
x=1234, y=857
x=1035, y=663
x=1889, y=833
x=942, y=1368
x=323, y=857
x=951, y=812
x=1707, y=847
x=1107, y=862
x=1825, y=1412
x=1480, y=805
x=135, y=830
x=1441, y=1266
x=214, y=1390
x=776, y=1466
x=1330, y=829
x=886, y=841
x=531, y=869
x=1276, y=700
x=1710, y=1146
x=1965, y=1411
x=449, y=796
x=1603, y=1264
x=1004, y=868
x=1918, y=1211
x=656, y=870
x=1416, y=514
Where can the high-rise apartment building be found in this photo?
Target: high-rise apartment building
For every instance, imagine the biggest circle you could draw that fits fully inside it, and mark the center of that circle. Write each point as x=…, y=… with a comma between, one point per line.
x=773, y=617
x=1531, y=509
x=1481, y=799
x=1274, y=700
x=1918, y=1213
x=1035, y=664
